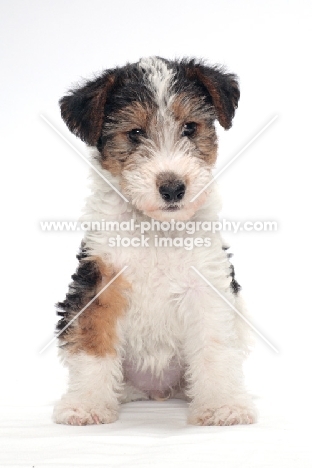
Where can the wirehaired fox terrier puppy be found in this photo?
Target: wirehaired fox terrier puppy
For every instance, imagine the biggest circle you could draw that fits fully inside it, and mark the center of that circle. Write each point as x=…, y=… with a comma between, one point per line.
x=139, y=320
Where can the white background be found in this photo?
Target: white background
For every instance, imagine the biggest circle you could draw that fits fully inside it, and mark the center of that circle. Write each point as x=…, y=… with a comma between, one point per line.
x=49, y=45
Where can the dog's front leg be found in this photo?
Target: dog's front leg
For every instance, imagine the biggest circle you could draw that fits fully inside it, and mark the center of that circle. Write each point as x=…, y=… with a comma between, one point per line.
x=91, y=344
x=93, y=390
x=214, y=356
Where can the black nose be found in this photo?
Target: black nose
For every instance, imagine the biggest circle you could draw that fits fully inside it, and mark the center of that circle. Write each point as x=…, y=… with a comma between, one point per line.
x=172, y=192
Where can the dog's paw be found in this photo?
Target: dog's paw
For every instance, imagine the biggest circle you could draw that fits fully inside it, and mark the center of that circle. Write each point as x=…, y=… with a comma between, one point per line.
x=76, y=415
x=227, y=415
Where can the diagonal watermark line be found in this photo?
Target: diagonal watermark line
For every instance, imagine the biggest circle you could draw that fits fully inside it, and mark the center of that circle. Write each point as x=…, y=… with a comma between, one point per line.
x=235, y=310
x=83, y=157
x=235, y=157
x=83, y=309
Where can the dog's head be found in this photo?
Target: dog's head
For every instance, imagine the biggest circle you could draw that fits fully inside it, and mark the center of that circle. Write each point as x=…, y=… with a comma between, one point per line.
x=152, y=123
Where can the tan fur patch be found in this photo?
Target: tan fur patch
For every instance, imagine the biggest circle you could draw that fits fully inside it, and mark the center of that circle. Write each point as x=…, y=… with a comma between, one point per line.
x=190, y=109
x=95, y=331
x=119, y=148
x=82, y=109
x=224, y=112
x=120, y=153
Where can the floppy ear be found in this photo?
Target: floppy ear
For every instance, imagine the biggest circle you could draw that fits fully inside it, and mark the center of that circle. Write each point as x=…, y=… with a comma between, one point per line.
x=82, y=108
x=222, y=87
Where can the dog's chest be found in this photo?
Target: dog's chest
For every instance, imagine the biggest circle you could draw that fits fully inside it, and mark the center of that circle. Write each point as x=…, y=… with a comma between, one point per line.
x=153, y=335
x=159, y=278
x=152, y=320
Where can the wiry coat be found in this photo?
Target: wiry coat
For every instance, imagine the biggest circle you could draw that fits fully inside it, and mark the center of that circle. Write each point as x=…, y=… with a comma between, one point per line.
x=158, y=330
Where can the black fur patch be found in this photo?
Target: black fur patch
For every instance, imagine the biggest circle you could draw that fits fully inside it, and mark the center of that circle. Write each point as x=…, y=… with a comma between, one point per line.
x=236, y=287
x=83, y=251
x=81, y=290
x=221, y=87
x=129, y=88
x=86, y=108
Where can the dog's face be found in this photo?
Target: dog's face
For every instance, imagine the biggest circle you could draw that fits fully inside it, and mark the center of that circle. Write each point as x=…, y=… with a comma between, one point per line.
x=153, y=125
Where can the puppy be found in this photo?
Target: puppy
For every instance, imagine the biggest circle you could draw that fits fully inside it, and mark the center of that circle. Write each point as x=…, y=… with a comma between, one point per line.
x=150, y=313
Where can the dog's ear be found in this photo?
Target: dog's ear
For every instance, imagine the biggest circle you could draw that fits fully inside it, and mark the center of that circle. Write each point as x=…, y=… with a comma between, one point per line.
x=222, y=87
x=82, y=108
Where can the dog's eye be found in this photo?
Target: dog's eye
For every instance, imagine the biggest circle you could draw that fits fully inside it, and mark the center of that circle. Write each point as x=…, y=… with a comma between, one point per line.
x=189, y=129
x=135, y=134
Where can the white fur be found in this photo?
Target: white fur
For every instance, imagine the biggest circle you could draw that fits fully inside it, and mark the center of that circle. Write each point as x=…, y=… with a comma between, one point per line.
x=95, y=385
x=159, y=79
x=175, y=321
x=173, y=314
x=140, y=184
